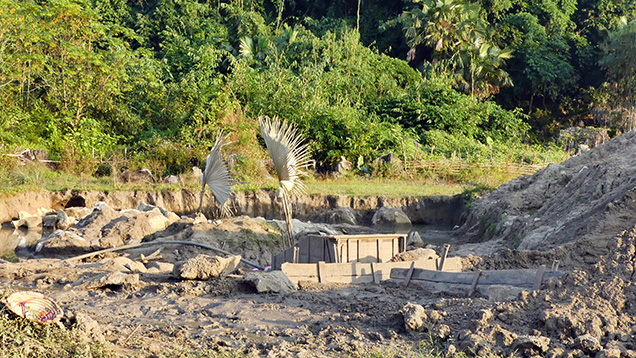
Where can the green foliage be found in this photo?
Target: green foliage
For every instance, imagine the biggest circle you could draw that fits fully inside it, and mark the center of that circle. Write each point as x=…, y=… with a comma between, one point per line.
x=157, y=79
x=435, y=106
x=616, y=98
x=461, y=43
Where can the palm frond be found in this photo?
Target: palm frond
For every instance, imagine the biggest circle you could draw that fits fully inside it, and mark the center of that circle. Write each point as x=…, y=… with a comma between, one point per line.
x=290, y=158
x=289, y=155
x=217, y=177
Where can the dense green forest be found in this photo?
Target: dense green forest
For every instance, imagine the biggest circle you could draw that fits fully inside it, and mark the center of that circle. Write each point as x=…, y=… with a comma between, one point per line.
x=151, y=82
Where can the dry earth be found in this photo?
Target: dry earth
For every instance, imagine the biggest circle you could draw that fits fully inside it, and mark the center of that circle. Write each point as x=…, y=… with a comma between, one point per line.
x=581, y=213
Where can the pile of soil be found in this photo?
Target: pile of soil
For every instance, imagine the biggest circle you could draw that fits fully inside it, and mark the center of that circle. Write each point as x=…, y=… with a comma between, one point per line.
x=580, y=215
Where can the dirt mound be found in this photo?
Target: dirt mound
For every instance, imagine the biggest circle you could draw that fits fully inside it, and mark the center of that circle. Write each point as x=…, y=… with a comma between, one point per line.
x=589, y=196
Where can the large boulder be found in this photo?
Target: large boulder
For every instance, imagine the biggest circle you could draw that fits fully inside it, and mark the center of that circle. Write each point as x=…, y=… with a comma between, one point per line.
x=344, y=215
x=390, y=217
x=104, y=228
x=270, y=282
x=204, y=267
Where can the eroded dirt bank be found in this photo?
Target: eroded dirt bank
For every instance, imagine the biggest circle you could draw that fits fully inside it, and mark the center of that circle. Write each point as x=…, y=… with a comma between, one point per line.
x=434, y=210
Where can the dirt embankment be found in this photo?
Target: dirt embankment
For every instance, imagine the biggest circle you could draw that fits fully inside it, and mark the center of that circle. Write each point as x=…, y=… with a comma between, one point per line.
x=590, y=196
x=434, y=210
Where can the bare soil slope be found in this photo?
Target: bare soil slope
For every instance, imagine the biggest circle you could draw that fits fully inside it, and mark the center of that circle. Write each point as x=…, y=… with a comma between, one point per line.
x=589, y=196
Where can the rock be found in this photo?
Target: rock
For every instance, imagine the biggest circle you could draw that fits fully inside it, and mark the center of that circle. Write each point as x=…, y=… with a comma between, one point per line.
x=63, y=241
x=101, y=215
x=140, y=176
x=156, y=220
x=49, y=221
x=112, y=279
x=63, y=221
x=442, y=332
x=171, y=179
x=159, y=267
x=122, y=264
x=197, y=173
x=339, y=216
x=77, y=212
x=390, y=217
x=587, y=343
x=414, y=316
x=89, y=328
x=415, y=255
x=270, y=282
x=475, y=343
x=502, y=293
x=343, y=165
x=31, y=222
x=531, y=345
x=204, y=267
x=414, y=239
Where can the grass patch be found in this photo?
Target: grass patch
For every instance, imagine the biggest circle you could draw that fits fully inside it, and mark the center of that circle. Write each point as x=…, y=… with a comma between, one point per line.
x=359, y=186
x=415, y=182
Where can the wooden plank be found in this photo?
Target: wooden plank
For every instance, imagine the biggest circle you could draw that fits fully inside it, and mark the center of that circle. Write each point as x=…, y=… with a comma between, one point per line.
x=347, y=273
x=538, y=278
x=409, y=274
x=519, y=278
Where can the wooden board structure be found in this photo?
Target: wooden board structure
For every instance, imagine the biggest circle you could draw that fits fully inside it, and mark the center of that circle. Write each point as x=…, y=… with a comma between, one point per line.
x=359, y=272
x=469, y=282
x=365, y=248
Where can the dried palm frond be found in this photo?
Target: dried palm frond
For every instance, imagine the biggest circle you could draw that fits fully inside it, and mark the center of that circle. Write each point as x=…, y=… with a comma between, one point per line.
x=290, y=157
x=217, y=177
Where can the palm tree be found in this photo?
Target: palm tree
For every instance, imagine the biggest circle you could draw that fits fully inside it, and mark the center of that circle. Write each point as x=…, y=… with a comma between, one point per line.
x=290, y=157
x=217, y=177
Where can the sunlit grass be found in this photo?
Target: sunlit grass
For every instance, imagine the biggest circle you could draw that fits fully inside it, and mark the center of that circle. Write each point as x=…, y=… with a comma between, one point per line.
x=423, y=183
x=358, y=186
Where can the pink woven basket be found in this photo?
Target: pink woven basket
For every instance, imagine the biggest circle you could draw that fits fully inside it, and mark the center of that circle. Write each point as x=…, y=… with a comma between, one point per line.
x=34, y=306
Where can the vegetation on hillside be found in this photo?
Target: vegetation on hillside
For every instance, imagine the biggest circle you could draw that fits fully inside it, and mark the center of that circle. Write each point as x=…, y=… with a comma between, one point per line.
x=108, y=85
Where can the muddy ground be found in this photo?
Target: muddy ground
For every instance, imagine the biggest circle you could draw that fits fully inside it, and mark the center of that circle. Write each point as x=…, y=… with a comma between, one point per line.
x=580, y=214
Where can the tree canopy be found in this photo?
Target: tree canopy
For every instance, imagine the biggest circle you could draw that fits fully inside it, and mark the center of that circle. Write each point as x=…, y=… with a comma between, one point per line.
x=359, y=79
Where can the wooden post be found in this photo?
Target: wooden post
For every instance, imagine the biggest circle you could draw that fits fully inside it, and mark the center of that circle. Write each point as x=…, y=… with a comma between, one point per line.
x=444, y=254
x=409, y=274
x=295, y=254
x=473, y=285
x=538, y=278
x=375, y=273
x=321, y=271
